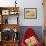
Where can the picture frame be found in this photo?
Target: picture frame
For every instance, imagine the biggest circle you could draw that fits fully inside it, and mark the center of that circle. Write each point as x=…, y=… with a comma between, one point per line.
x=13, y=12
x=30, y=13
x=5, y=12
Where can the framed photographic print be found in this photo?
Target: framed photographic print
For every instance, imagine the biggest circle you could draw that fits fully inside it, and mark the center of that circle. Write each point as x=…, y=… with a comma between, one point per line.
x=30, y=13
x=13, y=12
x=5, y=12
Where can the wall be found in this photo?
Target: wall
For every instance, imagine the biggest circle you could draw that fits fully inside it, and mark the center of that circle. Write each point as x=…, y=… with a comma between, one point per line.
x=37, y=29
x=27, y=4
x=32, y=4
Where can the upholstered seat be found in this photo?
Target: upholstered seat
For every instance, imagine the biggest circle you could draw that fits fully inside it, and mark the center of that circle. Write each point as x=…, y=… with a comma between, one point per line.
x=28, y=38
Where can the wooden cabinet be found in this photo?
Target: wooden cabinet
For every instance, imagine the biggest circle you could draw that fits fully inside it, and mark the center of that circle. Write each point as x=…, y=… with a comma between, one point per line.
x=9, y=29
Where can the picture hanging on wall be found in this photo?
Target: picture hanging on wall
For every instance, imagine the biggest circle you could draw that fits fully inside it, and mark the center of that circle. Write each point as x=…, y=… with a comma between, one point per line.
x=30, y=13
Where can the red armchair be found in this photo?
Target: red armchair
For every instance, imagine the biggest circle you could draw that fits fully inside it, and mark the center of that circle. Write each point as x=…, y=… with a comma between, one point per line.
x=30, y=34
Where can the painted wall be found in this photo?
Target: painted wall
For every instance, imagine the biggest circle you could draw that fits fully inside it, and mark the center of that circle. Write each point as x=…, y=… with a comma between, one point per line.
x=37, y=29
x=32, y=4
x=27, y=4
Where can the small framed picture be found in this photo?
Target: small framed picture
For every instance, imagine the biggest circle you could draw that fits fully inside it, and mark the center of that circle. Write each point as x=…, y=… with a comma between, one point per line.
x=5, y=12
x=30, y=13
x=13, y=12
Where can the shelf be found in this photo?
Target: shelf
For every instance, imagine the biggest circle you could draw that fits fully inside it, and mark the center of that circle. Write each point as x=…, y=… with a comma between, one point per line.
x=10, y=26
x=2, y=8
x=9, y=10
x=11, y=41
